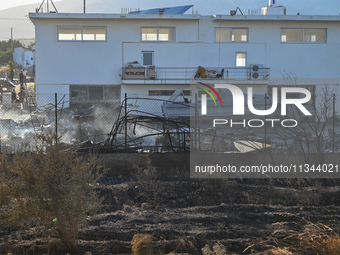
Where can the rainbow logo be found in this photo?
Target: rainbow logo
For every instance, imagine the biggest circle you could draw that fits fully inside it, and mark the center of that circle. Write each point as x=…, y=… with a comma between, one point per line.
x=213, y=90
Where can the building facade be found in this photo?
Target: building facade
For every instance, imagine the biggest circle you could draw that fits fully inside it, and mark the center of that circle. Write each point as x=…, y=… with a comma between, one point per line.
x=92, y=57
x=24, y=57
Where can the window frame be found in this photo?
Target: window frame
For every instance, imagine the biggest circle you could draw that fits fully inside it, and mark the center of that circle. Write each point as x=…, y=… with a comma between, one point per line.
x=70, y=27
x=82, y=33
x=152, y=58
x=231, y=34
x=87, y=96
x=245, y=61
x=303, y=35
x=157, y=40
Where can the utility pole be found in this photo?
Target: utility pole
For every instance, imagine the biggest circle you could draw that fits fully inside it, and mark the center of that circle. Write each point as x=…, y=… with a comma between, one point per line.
x=11, y=38
x=84, y=5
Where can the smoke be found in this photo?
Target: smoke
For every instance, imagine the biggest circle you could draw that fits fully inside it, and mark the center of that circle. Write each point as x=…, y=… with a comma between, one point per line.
x=15, y=129
x=85, y=122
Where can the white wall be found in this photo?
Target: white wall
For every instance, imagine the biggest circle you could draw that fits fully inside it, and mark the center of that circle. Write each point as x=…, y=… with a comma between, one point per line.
x=100, y=63
x=17, y=57
x=23, y=57
x=46, y=95
x=144, y=89
x=28, y=58
x=89, y=62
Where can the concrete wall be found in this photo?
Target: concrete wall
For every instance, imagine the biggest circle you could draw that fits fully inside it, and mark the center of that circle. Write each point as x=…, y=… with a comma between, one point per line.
x=91, y=63
x=23, y=57
x=101, y=62
x=17, y=55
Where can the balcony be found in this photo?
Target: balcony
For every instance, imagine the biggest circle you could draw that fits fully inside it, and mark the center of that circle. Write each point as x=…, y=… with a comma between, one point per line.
x=184, y=75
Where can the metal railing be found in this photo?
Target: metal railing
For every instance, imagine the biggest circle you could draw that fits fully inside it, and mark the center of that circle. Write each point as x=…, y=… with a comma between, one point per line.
x=188, y=73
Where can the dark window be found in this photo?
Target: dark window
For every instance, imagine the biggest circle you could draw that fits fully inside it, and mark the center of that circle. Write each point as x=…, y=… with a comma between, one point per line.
x=147, y=58
x=95, y=93
x=166, y=92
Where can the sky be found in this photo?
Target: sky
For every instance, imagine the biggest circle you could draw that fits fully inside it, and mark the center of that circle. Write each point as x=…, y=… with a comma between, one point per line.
x=5, y=4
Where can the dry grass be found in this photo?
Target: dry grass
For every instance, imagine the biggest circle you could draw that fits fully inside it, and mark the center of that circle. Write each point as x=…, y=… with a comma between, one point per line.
x=147, y=178
x=315, y=239
x=279, y=251
x=269, y=249
x=141, y=244
x=50, y=187
x=3, y=68
x=17, y=69
x=218, y=249
x=322, y=239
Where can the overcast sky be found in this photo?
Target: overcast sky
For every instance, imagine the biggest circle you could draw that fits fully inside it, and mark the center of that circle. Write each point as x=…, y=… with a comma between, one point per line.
x=5, y=4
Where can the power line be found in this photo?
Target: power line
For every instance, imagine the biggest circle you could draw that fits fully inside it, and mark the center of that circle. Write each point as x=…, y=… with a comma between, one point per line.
x=13, y=19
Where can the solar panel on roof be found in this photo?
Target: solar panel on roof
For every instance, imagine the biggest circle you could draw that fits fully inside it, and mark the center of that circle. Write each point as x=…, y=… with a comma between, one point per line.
x=168, y=10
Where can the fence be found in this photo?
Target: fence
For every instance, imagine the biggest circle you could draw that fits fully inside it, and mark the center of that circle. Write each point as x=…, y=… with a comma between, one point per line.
x=53, y=114
x=141, y=123
x=188, y=73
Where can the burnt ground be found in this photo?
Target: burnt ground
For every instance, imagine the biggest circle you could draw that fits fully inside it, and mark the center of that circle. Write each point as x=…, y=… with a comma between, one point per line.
x=196, y=216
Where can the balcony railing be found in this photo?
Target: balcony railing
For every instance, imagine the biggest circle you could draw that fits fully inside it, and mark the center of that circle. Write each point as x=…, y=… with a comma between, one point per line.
x=188, y=73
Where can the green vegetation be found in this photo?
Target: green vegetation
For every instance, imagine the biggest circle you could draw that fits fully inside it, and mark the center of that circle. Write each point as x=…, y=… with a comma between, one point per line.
x=6, y=45
x=30, y=46
x=6, y=54
x=10, y=70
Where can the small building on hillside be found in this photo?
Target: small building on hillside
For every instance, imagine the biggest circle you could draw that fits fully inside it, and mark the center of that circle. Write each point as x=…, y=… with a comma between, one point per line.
x=23, y=56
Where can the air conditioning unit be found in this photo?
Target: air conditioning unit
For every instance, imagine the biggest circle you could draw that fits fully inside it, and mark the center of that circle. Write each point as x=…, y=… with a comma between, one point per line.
x=258, y=71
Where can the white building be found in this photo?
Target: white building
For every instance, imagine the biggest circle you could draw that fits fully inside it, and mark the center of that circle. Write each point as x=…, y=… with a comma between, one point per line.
x=99, y=56
x=24, y=57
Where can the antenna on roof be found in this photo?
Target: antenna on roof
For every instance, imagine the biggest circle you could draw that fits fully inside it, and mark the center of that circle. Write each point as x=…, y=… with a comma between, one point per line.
x=233, y=12
x=40, y=7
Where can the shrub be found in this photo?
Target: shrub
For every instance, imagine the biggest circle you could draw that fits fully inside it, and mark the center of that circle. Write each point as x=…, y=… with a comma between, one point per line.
x=6, y=56
x=315, y=239
x=141, y=244
x=218, y=249
x=10, y=70
x=52, y=187
x=322, y=240
x=147, y=179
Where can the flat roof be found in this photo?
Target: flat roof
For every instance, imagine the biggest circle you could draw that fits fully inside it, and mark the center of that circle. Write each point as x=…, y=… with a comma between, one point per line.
x=278, y=17
x=33, y=16
x=333, y=18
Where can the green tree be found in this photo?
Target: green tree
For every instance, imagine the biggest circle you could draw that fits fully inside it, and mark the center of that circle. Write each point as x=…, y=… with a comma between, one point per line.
x=6, y=45
x=6, y=56
x=10, y=70
x=52, y=186
x=31, y=45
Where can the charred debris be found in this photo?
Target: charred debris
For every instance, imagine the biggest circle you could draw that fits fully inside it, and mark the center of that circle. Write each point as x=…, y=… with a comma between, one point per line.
x=138, y=131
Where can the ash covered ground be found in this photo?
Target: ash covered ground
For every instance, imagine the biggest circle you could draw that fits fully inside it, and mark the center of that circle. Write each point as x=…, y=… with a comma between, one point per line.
x=183, y=215
x=195, y=216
